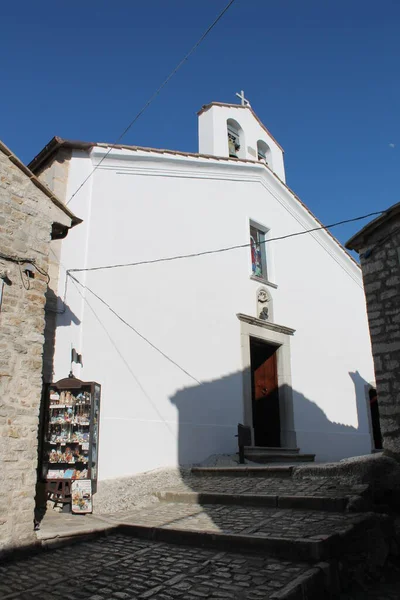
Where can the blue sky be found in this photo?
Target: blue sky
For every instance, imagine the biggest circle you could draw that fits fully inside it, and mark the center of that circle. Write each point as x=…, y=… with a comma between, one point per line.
x=322, y=75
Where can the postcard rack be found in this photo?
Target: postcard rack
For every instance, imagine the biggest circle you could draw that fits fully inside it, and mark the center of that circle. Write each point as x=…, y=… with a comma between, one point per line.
x=70, y=442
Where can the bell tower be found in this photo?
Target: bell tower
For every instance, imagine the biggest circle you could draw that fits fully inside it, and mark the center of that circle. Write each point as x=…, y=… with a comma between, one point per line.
x=234, y=131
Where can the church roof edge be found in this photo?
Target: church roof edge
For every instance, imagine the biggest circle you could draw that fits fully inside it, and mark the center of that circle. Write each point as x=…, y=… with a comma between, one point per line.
x=206, y=107
x=57, y=142
x=52, y=147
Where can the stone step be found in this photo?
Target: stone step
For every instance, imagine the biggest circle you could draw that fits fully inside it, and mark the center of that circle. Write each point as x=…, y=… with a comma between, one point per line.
x=278, y=457
x=120, y=566
x=270, y=450
x=244, y=471
x=282, y=533
x=328, y=494
x=327, y=503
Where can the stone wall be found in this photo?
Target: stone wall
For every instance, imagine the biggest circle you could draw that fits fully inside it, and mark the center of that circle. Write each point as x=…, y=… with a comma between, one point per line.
x=25, y=232
x=380, y=261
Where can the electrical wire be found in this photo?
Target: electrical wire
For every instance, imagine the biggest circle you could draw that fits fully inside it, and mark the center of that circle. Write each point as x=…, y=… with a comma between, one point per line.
x=42, y=272
x=76, y=281
x=28, y=286
x=16, y=259
x=122, y=357
x=22, y=261
x=133, y=329
x=227, y=249
x=154, y=96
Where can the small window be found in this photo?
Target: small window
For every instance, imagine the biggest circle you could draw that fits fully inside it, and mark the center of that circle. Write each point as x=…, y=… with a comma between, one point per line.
x=258, y=252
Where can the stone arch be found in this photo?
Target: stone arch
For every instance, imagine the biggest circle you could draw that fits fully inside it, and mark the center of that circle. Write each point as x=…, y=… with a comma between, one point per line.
x=236, y=142
x=264, y=305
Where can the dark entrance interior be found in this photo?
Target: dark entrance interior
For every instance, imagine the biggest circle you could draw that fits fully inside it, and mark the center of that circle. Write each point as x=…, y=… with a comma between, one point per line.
x=376, y=424
x=265, y=394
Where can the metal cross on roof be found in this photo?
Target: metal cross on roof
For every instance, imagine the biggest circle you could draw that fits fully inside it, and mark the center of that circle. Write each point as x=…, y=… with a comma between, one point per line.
x=244, y=102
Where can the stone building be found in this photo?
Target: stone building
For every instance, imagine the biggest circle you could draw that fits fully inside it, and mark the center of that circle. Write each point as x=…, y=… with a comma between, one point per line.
x=378, y=245
x=31, y=216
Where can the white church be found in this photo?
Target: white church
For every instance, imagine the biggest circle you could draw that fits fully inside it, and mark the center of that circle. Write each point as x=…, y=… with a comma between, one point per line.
x=270, y=334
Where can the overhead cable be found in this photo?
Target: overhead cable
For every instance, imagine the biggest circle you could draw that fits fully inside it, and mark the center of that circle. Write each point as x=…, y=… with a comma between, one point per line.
x=17, y=259
x=154, y=96
x=133, y=328
x=227, y=249
x=122, y=357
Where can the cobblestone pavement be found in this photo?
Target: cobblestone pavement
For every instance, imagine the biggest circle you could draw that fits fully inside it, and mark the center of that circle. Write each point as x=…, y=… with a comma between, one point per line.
x=259, y=521
x=123, y=568
x=211, y=517
x=387, y=589
x=381, y=591
x=274, y=485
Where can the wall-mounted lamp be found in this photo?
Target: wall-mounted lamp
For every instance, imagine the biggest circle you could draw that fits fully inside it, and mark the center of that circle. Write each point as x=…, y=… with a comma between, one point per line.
x=29, y=270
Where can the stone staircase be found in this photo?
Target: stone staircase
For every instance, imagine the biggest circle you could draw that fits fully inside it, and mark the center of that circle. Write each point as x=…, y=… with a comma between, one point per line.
x=265, y=511
x=255, y=532
x=265, y=455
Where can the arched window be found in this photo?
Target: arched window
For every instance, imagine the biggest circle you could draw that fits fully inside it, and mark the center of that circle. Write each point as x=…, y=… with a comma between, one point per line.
x=235, y=135
x=263, y=152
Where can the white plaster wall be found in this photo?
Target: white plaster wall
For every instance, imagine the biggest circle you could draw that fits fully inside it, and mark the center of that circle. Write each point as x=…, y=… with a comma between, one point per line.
x=213, y=135
x=142, y=206
x=69, y=331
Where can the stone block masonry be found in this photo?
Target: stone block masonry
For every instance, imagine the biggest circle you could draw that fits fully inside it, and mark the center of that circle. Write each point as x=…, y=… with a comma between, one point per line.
x=27, y=214
x=380, y=261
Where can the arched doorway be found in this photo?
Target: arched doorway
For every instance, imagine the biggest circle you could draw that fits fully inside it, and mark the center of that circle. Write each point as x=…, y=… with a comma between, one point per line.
x=236, y=145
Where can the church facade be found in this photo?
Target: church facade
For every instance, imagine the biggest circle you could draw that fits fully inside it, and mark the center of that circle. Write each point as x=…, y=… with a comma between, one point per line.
x=215, y=323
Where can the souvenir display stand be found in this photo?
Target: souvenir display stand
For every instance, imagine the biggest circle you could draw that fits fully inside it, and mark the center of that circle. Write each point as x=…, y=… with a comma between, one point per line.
x=70, y=444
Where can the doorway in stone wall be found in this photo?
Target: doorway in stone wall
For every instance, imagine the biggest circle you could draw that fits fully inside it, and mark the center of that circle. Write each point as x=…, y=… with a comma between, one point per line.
x=265, y=394
x=375, y=419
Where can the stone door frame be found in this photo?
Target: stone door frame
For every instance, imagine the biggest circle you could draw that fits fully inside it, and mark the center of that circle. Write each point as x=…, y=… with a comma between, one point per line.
x=279, y=336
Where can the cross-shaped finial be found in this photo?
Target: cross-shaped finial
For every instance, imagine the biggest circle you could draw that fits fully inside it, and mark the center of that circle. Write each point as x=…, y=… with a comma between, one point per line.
x=244, y=102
